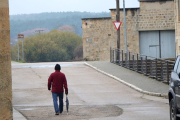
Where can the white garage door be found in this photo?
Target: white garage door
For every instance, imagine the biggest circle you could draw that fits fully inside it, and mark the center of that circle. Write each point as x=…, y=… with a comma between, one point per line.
x=159, y=44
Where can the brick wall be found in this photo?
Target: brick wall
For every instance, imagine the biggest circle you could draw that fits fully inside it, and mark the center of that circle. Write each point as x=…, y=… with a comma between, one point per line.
x=150, y=16
x=5, y=63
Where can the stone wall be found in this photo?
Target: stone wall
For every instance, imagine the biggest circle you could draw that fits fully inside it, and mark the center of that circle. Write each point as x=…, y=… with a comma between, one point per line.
x=156, y=16
x=98, y=37
x=150, y=16
x=177, y=26
x=5, y=63
x=131, y=29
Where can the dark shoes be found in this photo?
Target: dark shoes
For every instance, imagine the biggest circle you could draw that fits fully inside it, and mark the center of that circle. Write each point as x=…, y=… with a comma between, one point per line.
x=57, y=113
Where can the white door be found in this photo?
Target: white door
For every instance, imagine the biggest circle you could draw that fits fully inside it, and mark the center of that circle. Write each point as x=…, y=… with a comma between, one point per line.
x=149, y=43
x=168, y=49
x=159, y=44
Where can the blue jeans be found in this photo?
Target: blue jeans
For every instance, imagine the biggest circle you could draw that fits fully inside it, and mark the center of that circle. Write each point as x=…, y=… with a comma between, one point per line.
x=55, y=99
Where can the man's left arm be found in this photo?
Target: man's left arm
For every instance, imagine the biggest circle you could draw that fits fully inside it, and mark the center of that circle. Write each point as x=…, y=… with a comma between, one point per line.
x=49, y=82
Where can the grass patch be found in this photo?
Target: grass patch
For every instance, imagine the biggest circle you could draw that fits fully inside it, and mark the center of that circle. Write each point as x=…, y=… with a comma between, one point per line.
x=20, y=61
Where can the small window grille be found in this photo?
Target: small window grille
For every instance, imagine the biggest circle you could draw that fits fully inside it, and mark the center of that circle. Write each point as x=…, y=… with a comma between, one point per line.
x=88, y=40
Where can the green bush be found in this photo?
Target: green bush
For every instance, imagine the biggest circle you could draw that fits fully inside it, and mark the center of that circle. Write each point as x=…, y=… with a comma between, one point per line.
x=49, y=47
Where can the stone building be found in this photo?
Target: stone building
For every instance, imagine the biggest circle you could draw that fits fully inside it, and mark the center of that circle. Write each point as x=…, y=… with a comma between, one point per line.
x=5, y=63
x=150, y=31
x=177, y=25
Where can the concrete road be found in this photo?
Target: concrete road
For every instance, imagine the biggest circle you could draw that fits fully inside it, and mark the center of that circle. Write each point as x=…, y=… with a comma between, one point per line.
x=92, y=95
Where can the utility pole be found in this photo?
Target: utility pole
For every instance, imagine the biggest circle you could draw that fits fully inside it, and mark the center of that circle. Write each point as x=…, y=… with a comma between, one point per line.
x=18, y=49
x=22, y=51
x=125, y=34
x=118, y=31
x=21, y=36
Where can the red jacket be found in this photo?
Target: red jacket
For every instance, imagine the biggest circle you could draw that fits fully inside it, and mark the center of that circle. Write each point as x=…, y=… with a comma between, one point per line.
x=58, y=82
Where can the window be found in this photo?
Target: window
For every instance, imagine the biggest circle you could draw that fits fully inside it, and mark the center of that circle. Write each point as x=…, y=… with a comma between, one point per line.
x=176, y=64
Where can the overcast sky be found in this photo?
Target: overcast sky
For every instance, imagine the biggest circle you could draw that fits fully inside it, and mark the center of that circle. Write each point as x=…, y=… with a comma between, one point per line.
x=39, y=6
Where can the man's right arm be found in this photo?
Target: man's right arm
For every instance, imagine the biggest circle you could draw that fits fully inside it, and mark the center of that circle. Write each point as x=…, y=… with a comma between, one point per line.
x=65, y=85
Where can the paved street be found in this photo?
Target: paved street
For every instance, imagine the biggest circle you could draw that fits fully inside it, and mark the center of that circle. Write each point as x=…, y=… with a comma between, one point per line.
x=92, y=95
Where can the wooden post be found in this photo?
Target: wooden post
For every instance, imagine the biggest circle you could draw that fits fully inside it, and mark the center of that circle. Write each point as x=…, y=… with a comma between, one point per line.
x=118, y=31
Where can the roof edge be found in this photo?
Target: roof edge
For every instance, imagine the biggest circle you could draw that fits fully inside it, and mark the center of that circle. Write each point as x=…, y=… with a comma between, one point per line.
x=126, y=8
x=96, y=18
x=153, y=0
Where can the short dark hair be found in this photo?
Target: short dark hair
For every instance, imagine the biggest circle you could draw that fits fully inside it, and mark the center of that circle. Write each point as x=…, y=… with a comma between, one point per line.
x=57, y=67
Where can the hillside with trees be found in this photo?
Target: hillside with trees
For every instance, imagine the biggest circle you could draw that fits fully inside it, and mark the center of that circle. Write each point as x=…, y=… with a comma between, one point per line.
x=50, y=21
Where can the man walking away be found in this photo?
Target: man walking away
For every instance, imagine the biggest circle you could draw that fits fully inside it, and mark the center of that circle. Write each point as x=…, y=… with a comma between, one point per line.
x=58, y=82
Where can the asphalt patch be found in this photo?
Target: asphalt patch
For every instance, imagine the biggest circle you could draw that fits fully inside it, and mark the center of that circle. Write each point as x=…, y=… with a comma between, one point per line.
x=75, y=112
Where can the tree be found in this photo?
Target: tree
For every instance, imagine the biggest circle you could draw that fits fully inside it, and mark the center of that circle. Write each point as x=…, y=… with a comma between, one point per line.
x=66, y=28
x=78, y=52
x=49, y=47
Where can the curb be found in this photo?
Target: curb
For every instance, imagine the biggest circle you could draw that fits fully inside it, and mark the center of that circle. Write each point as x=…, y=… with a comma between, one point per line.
x=128, y=84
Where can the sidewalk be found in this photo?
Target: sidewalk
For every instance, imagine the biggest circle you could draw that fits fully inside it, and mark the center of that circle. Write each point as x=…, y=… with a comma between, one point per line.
x=130, y=78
